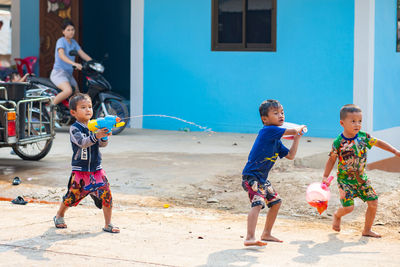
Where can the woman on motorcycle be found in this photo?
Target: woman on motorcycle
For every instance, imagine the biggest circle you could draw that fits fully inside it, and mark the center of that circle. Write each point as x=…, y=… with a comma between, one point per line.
x=61, y=75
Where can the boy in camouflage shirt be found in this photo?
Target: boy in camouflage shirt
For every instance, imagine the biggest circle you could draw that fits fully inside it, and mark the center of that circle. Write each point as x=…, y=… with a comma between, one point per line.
x=350, y=148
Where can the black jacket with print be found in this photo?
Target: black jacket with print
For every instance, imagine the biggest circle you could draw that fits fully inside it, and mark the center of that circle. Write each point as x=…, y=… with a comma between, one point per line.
x=86, y=155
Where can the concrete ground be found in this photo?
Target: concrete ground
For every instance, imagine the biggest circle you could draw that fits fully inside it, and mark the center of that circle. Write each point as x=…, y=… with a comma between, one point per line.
x=158, y=180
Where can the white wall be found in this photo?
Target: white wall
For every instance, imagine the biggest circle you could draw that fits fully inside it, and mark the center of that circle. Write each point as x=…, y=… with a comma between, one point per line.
x=137, y=22
x=364, y=40
x=364, y=71
x=15, y=31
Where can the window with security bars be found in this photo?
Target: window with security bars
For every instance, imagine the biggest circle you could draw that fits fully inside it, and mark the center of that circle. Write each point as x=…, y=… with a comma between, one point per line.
x=243, y=25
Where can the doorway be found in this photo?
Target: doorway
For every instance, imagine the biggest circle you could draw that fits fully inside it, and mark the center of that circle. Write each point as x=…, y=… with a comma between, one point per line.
x=52, y=15
x=106, y=29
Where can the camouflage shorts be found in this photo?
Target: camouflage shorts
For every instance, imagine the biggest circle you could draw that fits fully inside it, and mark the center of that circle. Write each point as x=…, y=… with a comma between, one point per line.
x=348, y=192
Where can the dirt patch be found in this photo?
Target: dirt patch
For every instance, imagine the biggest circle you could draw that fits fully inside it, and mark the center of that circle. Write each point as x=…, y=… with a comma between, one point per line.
x=226, y=193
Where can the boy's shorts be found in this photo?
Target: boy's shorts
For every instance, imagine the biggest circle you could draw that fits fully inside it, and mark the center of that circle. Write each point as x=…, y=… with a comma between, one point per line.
x=350, y=191
x=82, y=184
x=265, y=192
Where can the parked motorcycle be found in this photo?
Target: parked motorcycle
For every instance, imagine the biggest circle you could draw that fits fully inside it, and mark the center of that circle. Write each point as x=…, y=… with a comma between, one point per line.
x=25, y=124
x=105, y=102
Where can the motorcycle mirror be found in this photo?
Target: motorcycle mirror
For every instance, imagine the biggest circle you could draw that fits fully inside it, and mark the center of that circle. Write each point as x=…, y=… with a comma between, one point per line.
x=73, y=53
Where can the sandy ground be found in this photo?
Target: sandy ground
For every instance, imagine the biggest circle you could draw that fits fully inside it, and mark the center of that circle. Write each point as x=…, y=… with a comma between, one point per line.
x=197, y=175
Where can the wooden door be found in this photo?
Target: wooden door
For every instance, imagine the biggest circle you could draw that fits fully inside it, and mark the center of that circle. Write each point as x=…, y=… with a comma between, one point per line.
x=52, y=15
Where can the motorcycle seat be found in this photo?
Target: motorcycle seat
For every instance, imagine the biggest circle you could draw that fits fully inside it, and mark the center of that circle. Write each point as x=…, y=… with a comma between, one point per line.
x=44, y=81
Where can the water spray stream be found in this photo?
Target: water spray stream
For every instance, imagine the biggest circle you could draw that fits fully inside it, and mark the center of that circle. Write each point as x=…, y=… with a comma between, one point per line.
x=206, y=129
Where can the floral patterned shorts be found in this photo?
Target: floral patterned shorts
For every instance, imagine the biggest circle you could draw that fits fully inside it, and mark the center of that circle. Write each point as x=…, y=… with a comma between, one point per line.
x=265, y=193
x=82, y=184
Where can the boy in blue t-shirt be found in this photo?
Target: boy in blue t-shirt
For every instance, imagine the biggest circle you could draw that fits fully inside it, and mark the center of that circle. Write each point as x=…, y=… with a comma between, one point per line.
x=266, y=150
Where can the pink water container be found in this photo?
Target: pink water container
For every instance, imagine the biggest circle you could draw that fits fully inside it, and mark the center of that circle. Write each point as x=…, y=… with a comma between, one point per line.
x=318, y=192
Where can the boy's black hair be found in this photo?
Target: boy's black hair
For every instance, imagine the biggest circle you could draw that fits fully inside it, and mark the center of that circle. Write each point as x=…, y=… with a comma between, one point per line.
x=66, y=23
x=349, y=108
x=73, y=102
x=267, y=105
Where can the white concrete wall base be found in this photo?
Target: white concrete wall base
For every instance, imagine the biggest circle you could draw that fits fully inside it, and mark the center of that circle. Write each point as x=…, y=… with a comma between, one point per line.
x=390, y=136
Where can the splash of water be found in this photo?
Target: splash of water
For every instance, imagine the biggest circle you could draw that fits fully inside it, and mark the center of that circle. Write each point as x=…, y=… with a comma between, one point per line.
x=206, y=129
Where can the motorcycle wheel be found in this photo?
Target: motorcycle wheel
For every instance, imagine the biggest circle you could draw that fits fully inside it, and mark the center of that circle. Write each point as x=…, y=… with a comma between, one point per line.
x=116, y=108
x=37, y=150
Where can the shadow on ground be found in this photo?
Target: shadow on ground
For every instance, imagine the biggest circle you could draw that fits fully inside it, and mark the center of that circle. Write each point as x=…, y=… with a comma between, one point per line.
x=313, y=252
x=235, y=257
x=41, y=244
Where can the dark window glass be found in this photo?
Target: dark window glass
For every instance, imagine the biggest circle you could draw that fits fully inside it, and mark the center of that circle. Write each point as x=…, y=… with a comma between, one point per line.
x=230, y=17
x=258, y=21
x=243, y=25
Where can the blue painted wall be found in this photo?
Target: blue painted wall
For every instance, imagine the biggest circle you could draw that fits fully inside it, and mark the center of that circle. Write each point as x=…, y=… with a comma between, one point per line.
x=29, y=29
x=311, y=73
x=387, y=66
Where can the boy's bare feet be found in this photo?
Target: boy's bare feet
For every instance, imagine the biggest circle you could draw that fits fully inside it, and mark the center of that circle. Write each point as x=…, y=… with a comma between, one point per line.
x=371, y=234
x=336, y=223
x=270, y=238
x=254, y=243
